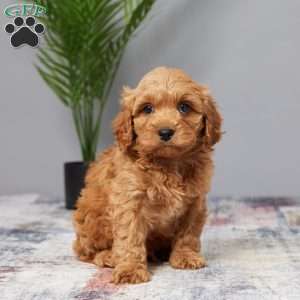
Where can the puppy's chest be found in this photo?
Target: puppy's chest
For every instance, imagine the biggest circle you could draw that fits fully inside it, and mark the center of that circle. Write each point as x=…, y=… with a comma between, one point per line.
x=168, y=197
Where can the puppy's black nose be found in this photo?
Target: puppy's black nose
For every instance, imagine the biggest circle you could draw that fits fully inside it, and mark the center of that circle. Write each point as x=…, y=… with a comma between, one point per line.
x=166, y=134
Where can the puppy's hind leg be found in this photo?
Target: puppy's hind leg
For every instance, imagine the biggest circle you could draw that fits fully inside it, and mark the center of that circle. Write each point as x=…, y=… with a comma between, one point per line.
x=104, y=259
x=83, y=253
x=92, y=224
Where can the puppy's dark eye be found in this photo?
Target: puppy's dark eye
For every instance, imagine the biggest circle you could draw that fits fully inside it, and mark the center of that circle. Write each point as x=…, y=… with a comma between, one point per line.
x=184, y=108
x=148, y=109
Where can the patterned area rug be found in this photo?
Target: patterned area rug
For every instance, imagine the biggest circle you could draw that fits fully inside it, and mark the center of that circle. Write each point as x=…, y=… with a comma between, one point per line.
x=252, y=247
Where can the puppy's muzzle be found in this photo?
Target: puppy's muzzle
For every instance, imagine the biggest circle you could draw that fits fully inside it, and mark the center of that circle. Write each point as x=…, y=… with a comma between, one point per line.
x=166, y=134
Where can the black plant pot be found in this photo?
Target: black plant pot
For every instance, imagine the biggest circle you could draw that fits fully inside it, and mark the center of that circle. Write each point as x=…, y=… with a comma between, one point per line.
x=74, y=181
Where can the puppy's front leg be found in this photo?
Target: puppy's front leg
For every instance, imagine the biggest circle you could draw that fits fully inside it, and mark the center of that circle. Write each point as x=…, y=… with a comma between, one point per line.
x=129, y=249
x=186, y=245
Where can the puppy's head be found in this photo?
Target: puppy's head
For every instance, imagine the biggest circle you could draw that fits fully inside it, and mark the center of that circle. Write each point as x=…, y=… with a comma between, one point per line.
x=167, y=115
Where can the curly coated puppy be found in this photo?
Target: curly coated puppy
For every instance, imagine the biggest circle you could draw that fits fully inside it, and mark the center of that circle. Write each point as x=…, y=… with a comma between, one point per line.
x=145, y=197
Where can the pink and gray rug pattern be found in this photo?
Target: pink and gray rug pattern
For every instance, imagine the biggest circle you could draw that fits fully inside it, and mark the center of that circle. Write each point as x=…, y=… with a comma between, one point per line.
x=252, y=246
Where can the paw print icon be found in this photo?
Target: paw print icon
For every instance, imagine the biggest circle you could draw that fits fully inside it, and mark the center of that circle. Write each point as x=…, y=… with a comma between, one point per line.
x=24, y=32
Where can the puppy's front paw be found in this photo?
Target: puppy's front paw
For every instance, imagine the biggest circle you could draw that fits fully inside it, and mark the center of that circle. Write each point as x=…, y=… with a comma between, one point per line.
x=187, y=260
x=130, y=273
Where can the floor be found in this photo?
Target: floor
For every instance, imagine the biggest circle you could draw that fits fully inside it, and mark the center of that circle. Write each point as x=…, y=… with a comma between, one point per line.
x=252, y=246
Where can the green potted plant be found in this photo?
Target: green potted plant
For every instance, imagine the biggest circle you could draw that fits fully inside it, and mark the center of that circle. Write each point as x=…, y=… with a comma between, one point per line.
x=85, y=40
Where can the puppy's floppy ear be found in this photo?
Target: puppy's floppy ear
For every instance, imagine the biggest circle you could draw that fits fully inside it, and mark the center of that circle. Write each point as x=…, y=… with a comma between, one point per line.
x=123, y=123
x=212, y=119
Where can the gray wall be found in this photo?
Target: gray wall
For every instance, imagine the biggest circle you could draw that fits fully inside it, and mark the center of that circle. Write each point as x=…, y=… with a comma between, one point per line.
x=247, y=51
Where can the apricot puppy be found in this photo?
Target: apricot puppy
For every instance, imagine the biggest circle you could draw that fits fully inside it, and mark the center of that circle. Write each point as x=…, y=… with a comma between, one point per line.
x=145, y=197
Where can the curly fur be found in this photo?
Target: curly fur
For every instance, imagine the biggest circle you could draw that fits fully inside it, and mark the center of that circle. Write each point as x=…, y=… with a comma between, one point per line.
x=146, y=198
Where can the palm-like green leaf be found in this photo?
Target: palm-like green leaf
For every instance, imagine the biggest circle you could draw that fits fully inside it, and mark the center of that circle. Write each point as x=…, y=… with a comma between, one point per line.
x=85, y=41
